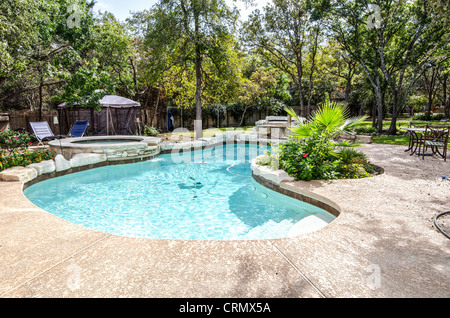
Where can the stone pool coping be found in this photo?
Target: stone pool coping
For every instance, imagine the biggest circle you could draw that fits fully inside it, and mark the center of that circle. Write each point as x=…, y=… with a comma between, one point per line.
x=383, y=244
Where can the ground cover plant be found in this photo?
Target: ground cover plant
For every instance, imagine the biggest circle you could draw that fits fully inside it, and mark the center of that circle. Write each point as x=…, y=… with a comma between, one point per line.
x=23, y=158
x=14, y=150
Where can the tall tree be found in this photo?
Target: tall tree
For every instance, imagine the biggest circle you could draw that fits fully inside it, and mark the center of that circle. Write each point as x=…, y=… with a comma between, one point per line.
x=190, y=32
x=279, y=35
x=444, y=81
x=356, y=38
x=17, y=34
x=400, y=37
x=288, y=34
x=44, y=42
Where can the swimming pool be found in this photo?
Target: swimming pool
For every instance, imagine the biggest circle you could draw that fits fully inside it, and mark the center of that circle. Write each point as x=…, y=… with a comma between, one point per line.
x=206, y=194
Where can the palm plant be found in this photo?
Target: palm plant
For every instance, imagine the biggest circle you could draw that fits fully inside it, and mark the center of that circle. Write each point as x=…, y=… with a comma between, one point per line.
x=312, y=153
x=329, y=120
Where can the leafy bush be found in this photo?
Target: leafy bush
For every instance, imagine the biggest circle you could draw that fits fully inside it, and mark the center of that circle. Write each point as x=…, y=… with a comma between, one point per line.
x=429, y=116
x=10, y=139
x=318, y=158
x=312, y=153
x=348, y=155
x=310, y=158
x=150, y=131
x=365, y=130
x=23, y=158
x=354, y=164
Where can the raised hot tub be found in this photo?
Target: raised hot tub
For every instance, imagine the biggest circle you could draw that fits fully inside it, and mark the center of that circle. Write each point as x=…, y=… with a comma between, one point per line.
x=113, y=147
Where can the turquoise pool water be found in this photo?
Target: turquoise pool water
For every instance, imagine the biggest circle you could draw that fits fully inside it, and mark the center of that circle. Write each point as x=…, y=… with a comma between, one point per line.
x=199, y=195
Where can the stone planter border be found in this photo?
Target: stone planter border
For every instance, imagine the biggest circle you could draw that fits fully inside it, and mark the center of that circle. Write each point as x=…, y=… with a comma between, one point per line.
x=276, y=181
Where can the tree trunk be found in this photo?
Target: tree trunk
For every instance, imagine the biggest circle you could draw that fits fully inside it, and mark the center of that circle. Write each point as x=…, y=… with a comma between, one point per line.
x=311, y=74
x=198, y=92
x=41, y=99
x=446, y=103
x=302, y=106
x=243, y=116
x=430, y=84
x=379, y=99
x=299, y=85
x=153, y=119
x=374, y=114
x=393, y=127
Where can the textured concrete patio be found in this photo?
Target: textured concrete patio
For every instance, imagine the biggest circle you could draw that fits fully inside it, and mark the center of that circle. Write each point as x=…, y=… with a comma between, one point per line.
x=384, y=244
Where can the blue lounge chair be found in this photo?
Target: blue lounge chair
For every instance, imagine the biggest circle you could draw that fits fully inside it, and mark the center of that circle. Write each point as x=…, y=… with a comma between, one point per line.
x=79, y=128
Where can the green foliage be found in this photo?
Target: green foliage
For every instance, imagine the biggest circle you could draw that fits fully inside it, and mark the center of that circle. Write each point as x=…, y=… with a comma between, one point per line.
x=290, y=54
x=23, y=158
x=428, y=116
x=317, y=158
x=330, y=119
x=310, y=158
x=312, y=153
x=84, y=86
x=349, y=156
x=191, y=51
x=17, y=33
x=10, y=139
x=150, y=131
x=365, y=130
x=391, y=140
x=52, y=41
x=354, y=164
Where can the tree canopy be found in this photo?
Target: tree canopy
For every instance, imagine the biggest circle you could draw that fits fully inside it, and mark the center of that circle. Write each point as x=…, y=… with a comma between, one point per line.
x=381, y=58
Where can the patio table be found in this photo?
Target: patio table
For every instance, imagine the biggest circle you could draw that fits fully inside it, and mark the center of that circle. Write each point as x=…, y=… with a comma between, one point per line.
x=415, y=134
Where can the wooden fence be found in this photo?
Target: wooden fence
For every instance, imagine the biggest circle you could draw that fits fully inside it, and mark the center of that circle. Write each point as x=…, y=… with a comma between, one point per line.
x=21, y=119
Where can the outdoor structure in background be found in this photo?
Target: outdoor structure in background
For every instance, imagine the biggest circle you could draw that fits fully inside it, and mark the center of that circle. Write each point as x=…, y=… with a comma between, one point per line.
x=118, y=116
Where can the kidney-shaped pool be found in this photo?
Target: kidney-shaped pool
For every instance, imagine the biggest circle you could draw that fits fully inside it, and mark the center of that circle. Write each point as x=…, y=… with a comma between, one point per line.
x=199, y=195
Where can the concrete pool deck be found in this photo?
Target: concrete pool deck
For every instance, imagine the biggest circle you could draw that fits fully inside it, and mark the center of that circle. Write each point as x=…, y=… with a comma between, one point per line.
x=384, y=244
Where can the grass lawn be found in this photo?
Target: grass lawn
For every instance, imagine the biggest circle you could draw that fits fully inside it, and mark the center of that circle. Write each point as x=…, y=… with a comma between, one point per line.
x=391, y=140
x=388, y=140
x=386, y=123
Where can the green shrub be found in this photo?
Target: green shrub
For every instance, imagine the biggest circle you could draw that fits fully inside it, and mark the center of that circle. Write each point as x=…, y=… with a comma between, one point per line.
x=348, y=156
x=310, y=158
x=365, y=130
x=311, y=152
x=150, y=131
x=354, y=164
x=352, y=171
x=429, y=117
x=10, y=139
x=318, y=158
